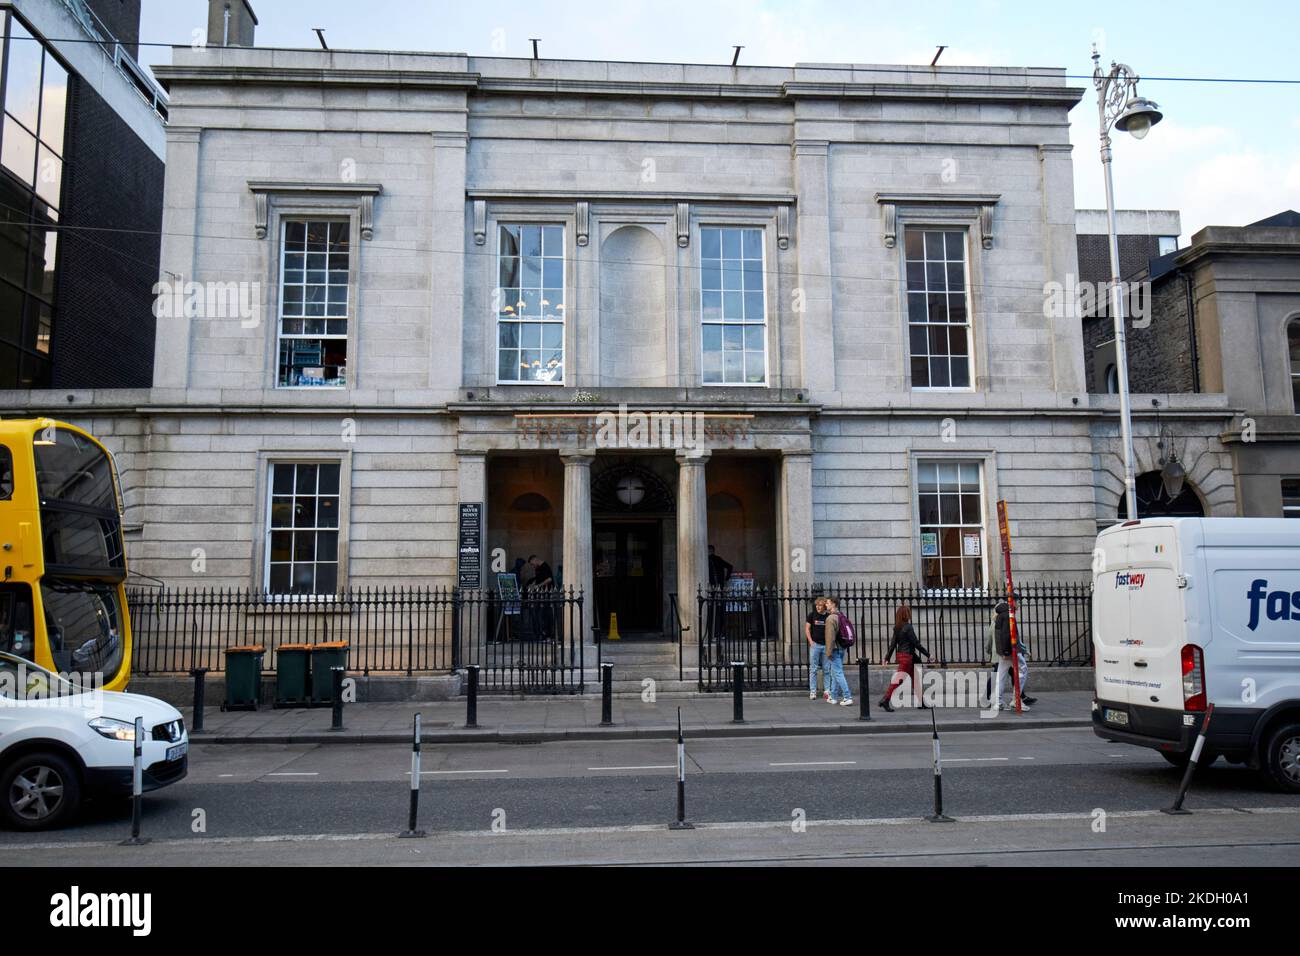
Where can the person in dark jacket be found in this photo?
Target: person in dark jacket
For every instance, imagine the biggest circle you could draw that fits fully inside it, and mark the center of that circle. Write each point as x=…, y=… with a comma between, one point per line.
x=909, y=648
x=1002, y=642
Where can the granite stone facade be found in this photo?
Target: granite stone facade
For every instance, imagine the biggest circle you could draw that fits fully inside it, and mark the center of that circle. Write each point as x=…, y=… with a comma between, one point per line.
x=426, y=156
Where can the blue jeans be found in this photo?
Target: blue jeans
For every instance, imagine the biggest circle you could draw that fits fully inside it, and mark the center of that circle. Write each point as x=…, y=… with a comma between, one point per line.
x=817, y=659
x=839, y=683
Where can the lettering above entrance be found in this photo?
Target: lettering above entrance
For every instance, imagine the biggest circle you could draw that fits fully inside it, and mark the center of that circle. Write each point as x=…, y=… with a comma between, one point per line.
x=630, y=489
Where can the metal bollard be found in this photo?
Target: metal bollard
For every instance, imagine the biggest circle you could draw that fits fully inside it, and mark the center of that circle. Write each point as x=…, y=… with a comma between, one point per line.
x=196, y=719
x=412, y=832
x=336, y=721
x=737, y=692
x=137, y=787
x=864, y=690
x=1177, y=808
x=471, y=696
x=939, y=816
x=680, y=823
x=607, y=695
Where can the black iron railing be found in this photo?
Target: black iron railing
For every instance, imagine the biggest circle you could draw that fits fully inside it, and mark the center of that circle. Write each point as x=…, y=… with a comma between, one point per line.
x=765, y=629
x=528, y=642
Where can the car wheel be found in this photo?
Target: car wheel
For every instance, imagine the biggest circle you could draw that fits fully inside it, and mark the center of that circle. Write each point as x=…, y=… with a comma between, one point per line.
x=41, y=790
x=1282, y=758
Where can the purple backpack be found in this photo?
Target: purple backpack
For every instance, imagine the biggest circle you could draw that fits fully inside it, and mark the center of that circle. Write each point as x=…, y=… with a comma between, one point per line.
x=846, y=636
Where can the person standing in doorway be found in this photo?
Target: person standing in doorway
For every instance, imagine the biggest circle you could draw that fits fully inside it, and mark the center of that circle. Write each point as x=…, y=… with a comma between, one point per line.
x=719, y=572
x=719, y=569
x=840, y=693
x=539, y=588
x=909, y=649
x=814, y=629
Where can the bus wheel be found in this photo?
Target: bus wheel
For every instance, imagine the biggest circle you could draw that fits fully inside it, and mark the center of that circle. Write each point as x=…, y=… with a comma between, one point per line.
x=40, y=790
x=1282, y=757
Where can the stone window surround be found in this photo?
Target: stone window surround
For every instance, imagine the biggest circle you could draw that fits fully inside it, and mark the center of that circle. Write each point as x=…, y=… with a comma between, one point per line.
x=261, y=519
x=944, y=217
x=277, y=201
x=767, y=221
x=497, y=214
x=987, y=459
x=685, y=216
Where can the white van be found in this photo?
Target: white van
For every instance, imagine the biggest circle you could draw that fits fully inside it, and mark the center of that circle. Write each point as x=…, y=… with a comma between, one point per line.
x=1192, y=611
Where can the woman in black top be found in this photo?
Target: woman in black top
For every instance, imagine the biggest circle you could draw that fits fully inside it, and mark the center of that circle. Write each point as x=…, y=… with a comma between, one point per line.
x=909, y=647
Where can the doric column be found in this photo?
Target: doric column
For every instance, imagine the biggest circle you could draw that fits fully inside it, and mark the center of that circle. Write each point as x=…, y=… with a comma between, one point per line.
x=577, y=534
x=692, y=536
x=795, y=518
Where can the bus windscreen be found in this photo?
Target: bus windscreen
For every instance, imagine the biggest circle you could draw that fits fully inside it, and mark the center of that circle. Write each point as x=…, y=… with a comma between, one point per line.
x=81, y=529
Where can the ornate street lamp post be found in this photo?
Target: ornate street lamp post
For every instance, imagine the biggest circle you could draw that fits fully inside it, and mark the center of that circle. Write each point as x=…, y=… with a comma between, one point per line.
x=1118, y=105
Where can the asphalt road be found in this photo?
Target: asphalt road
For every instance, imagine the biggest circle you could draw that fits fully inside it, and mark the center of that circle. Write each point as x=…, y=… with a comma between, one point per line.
x=269, y=796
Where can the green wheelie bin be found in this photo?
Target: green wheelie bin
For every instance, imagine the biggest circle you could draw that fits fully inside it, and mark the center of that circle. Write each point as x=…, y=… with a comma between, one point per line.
x=243, y=677
x=291, y=681
x=324, y=657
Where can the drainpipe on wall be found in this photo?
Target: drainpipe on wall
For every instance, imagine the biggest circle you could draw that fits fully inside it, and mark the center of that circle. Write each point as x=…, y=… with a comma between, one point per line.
x=1191, y=330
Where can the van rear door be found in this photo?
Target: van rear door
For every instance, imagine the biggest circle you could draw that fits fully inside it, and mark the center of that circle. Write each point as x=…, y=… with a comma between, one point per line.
x=1158, y=620
x=1110, y=624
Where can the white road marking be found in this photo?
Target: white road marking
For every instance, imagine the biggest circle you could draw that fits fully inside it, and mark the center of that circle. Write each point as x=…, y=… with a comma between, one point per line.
x=434, y=773
x=226, y=775
x=975, y=759
x=815, y=763
x=297, y=774
x=666, y=766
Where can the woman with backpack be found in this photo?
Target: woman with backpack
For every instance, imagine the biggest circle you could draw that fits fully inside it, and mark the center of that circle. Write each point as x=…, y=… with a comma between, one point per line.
x=839, y=635
x=909, y=647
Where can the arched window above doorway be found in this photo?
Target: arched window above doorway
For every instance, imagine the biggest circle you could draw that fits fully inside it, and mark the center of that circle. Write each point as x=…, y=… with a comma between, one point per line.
x=1154, y=502
x=630, y=489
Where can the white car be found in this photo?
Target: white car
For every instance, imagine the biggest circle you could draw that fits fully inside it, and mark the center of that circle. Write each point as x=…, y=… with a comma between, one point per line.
x=60, y=743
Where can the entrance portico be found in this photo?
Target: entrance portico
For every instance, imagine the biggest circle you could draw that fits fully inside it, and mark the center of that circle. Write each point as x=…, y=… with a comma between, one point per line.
x=634, y=524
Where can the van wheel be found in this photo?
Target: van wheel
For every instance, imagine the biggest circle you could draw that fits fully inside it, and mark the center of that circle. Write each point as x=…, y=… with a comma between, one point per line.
x=40, y=790
x=1282, y=758
x=1182, y=760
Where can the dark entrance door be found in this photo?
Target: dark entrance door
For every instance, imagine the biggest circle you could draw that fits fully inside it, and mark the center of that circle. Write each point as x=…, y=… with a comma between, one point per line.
x=628, y=573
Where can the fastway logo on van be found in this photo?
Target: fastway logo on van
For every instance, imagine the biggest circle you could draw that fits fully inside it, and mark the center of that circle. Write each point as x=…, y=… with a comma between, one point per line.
x=1130, y=580
x=1279, y=605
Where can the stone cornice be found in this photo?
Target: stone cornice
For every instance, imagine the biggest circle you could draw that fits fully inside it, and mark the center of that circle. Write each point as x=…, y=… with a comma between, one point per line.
x=506, y=194
x=227, y=75
x=305, y=76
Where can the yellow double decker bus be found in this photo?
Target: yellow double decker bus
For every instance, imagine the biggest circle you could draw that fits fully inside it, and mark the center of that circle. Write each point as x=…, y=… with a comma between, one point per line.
x=62, y=559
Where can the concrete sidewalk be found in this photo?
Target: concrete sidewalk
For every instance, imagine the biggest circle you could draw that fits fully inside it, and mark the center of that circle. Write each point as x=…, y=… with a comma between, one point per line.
x=537, y=719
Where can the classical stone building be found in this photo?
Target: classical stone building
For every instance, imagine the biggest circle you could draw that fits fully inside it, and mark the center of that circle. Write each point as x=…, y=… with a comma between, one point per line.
x=410, y=282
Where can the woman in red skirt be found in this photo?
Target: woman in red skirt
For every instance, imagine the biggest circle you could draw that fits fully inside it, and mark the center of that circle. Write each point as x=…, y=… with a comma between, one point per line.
x=908, y=647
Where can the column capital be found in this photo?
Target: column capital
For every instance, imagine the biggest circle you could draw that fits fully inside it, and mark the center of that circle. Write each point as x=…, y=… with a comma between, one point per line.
x=788, y=453
x=693, y=456
x=470, y=453
x=578, y=458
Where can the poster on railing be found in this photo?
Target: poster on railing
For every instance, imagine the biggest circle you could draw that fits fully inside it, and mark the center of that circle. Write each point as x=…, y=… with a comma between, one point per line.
x=508, y=591
x=739, y=585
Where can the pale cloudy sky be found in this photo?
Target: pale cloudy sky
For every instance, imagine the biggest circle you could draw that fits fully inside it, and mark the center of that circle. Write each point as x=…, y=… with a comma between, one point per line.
x=1226, y=154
